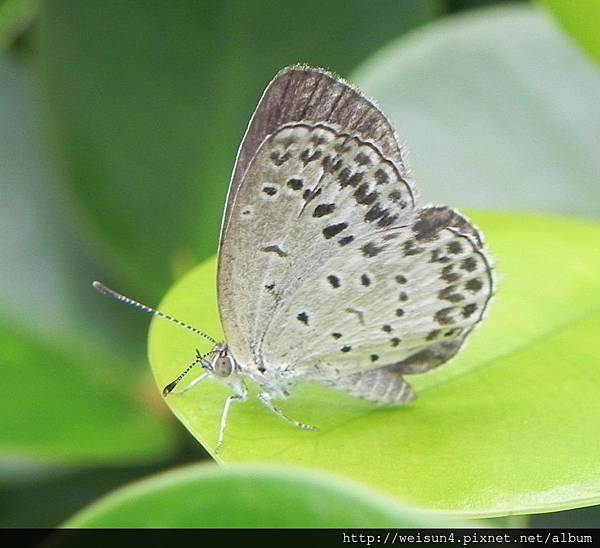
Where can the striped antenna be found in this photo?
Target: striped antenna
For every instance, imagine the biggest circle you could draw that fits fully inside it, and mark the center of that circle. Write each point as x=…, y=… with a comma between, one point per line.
x=111, y=293
x=199, y=359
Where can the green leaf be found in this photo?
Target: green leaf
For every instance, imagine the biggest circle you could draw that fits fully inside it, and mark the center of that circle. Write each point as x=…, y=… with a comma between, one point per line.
x=148, y=102
x=509, y=426
x=206, y=496
x=581, y=20
x=498, y=110
x=61, y=406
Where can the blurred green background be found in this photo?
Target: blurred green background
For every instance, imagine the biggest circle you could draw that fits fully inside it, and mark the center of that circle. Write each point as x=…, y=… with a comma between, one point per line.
x=119, y=127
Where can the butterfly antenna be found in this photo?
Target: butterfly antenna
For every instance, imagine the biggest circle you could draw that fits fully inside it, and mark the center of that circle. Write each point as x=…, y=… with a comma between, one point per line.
x=169, y=388
x=111, y=293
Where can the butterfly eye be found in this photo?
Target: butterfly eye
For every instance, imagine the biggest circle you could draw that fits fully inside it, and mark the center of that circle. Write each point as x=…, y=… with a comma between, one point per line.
x=223, y=366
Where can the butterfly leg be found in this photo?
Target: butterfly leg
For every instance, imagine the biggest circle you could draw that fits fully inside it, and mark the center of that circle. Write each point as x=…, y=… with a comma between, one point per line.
x=265, y=399
x=242, y=396
x=190, y=386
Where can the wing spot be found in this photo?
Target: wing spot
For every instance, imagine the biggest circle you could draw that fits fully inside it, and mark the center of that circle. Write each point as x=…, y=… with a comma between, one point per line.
x=331, y=164
x=469, y=264
x=309, y=194
x=279, y=159
x=334, y=281
x=399, y=312
x=295, y=184
x=323, y=209
x=403, y=297
x=345, y=240
x=362, y=159
x=442, y=316
x=374, y=213
x=363, y=196
x=474, y=285
x=382, y=177
x=346, y=348
x=395, y=341
x=274, y=249
x=387, y=328
x=374, y=357
x=365, y=280
x=455, y=247
x=308, y=156
x=410, y=248
x=333, y=230
x=336, y=335
x=432, y=335
x=303, y=317
x=468, y=310
x=448, y=275
x=437, y=257
x=395, y=196
x=371, y=250
x=347, y=178
x=269, y=190
x=449, y=294
x=358, y=313
x=401, y=279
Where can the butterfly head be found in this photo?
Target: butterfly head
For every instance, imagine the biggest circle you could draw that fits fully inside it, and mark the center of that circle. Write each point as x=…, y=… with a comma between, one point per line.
x=221, y=362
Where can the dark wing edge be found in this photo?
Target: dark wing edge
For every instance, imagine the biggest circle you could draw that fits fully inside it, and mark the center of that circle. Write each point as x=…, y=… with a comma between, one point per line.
x=302, y=93
x=431, y=221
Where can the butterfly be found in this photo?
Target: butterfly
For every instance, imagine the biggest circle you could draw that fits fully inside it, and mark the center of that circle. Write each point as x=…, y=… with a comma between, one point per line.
x=328, y=270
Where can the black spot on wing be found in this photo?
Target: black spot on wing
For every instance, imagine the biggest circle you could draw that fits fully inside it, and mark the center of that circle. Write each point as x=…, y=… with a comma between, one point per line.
x=323, y=209
x=443, y=316
x=475, y=285
x=345, y=240
x=468, y=310
x=269, y=190
x=334, y=281
x=274, y=249
x=303, y=317
x=371, y=249
x=333, y=230
x=295, y=184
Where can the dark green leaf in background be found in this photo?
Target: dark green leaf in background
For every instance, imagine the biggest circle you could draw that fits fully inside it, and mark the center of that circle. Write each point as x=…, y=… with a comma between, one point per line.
x=497, y=109
x=149, y=100
x=66, y=401
x=56, y=411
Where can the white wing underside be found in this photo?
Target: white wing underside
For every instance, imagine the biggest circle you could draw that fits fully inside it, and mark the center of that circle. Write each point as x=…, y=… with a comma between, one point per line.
x=327, y=268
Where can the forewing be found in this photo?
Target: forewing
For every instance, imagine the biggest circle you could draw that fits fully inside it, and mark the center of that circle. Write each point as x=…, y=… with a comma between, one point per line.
x=311, y=195
x=305, y=94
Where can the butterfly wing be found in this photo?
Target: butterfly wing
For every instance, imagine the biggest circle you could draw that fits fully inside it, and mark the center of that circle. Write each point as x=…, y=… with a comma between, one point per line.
x=301, y=93
x=326, y=267
x=405, y=296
